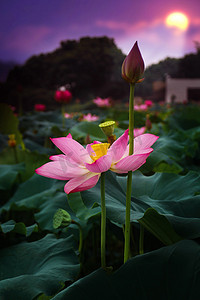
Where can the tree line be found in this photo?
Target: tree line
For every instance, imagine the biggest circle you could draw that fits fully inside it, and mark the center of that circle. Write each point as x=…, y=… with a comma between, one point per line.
x=90, y=67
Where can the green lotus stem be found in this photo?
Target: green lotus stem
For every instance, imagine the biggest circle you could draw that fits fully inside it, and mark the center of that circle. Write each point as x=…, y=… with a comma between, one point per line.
x=129, y=179
x=103, y=222
x=63, y=115
x=17, y=161
x=80, y=236
x=80, y=240
x=20, y=105
x=141, y=241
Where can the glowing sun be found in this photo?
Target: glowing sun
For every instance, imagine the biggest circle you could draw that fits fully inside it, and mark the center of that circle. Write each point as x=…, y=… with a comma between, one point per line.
x=178, y=20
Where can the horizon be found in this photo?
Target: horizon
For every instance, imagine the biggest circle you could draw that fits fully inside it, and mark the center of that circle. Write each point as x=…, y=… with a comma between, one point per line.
x=53, y=50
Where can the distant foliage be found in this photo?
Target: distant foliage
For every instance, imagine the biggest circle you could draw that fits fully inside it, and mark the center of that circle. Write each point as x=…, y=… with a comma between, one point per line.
x=5, y=67
x=186, y=67
x=92, y=66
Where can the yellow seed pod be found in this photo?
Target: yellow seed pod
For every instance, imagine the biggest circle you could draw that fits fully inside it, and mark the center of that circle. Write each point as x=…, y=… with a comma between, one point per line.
x=107, y=127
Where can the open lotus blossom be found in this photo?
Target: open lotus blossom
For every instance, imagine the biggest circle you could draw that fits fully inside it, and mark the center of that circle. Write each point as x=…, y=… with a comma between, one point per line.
x=82, y=167
x=102, y=102
x=90, y=118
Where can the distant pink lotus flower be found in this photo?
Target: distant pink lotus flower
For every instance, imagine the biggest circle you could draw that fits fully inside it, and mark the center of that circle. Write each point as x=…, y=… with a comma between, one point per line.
x=63, y=96
x=142, y=107
x=83, y=166
x=139, y=131
x=102, y=102
x=68, y=116
x=39, y=107
x=149, y=103
x=13, y=108
x=90, y=118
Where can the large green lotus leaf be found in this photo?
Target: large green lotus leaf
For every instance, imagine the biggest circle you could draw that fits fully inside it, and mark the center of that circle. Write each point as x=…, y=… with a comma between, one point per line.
x=30, y=192
x=12, y=226
x=176, y=197
x=41, y=195
x=165, y=157
x=159, y=226
x=172, y=272
x=32, y=160
x=73, y=204
x=35, y=146
x=44, y=196
x=83, y=129
x=47, y=208
x=82, y=212
x=9, y=123
x=185, y=118
x=30, y=269
x=8, y=174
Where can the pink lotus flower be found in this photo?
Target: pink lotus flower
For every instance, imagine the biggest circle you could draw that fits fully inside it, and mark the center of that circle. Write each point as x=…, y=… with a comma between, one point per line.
x=139, y=131
x=83, y=166
x=90, y=118
x=39, y=107
x=63, y=96
x=102, y=102
x=142, y=107
x=68, y=116
x=149, y=103
x=13, y=108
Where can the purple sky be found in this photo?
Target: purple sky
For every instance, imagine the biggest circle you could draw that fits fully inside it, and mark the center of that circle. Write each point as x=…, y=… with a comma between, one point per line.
x=31, y=27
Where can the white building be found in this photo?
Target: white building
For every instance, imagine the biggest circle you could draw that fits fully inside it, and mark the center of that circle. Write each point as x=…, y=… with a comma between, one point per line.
x=182, y=90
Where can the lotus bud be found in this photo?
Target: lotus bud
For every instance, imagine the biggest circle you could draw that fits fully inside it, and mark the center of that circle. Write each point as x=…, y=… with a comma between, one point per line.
x=148, y=123
x=133, y=66
x=61, y=219
x=12, y=141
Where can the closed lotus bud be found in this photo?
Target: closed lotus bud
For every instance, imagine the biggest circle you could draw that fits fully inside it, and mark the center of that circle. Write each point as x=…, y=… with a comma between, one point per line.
x=133, y=66
x=148, y=123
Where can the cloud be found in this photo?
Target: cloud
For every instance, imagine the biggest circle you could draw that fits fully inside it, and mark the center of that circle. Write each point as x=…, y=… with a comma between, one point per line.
x=26, y=38
x=156, y=40
x=125, y=27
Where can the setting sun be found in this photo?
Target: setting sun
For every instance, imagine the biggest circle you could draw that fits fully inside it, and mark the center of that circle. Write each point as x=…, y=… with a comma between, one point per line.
x=177, y=19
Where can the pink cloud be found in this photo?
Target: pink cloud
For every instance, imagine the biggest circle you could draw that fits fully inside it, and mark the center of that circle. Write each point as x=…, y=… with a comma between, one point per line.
x=127, y=27
x=26, y=38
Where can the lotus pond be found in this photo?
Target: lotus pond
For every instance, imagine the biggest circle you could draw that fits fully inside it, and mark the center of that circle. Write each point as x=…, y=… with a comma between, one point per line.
x=40, y=259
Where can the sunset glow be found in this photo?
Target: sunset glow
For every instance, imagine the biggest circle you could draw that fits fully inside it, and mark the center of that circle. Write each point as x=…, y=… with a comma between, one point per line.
x=178, y=20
